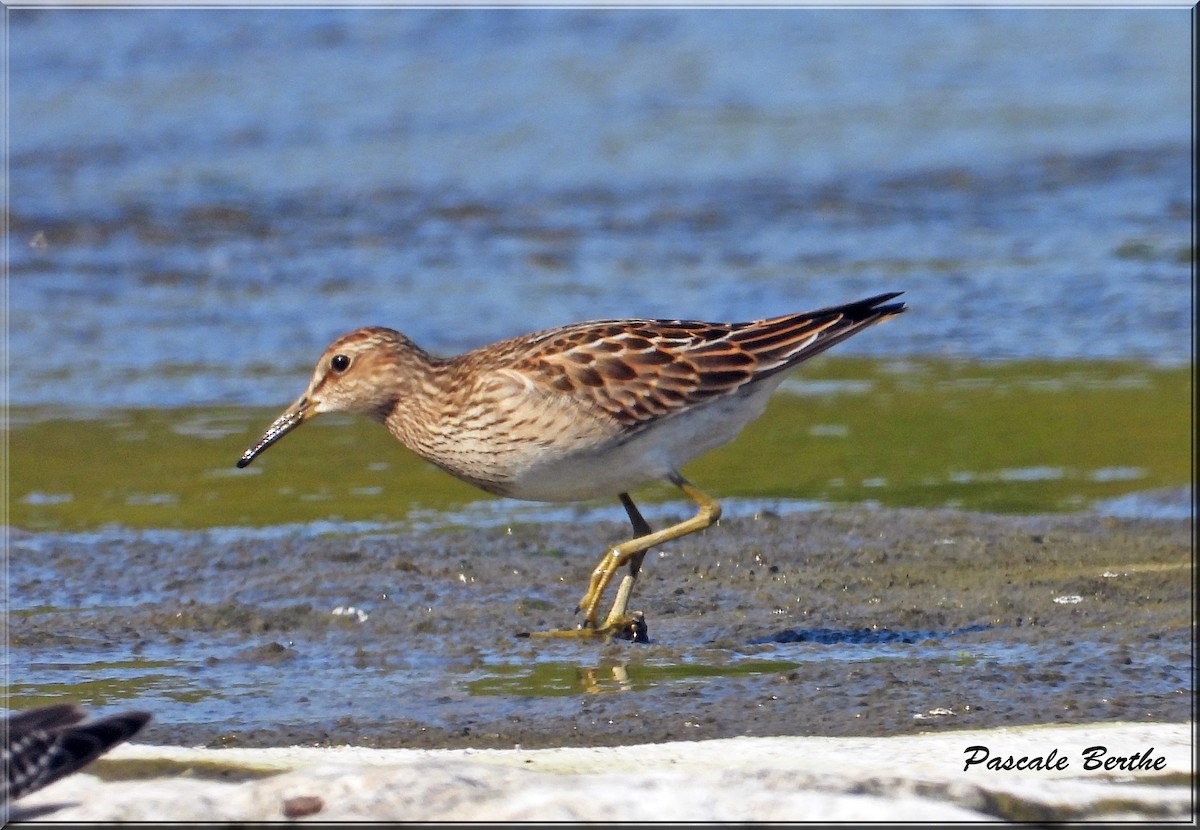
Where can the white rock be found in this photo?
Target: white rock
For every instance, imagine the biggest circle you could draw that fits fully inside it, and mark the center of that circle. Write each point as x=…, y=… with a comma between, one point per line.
x=741, y=779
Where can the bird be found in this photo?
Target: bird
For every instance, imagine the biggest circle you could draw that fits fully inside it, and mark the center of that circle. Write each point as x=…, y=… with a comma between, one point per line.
x=578, y=412
x=44, y=744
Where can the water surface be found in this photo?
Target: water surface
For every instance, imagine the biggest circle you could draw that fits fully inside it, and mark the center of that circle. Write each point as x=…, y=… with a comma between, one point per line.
x=193, y=231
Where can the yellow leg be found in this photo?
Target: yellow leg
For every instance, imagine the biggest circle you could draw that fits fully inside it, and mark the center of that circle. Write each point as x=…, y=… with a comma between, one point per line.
x=619, y=622
x=632, y=552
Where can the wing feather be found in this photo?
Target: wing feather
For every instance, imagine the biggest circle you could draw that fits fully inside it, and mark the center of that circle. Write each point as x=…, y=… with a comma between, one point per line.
x=641, y=370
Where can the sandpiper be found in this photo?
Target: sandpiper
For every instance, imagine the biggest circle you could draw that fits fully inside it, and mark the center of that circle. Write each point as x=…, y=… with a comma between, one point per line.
x=44, y=744
x=578, y=412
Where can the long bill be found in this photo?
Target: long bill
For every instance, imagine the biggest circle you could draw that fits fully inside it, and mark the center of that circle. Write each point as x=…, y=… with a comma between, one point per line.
x=292, y=417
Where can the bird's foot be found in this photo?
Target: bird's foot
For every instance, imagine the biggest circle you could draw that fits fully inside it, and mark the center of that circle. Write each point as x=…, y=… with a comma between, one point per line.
x=630, y=627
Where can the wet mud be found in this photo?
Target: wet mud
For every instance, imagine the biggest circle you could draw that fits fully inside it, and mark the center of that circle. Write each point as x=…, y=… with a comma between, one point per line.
x=837, y=622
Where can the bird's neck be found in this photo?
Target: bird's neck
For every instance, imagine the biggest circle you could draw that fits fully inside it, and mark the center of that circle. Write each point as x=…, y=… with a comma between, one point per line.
x=416, y=402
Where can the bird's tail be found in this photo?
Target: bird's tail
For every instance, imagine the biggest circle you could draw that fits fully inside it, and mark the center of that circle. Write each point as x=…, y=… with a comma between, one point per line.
x=782, y=342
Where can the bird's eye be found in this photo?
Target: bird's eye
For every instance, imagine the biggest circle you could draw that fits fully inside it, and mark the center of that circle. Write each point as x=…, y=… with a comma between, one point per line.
x=339, y=363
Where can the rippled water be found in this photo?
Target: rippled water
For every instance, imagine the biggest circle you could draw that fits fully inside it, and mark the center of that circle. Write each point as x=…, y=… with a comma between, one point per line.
x=202, y=199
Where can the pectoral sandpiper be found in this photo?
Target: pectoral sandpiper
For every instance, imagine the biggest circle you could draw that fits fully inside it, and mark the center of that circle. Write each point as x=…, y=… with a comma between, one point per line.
x=578, y=412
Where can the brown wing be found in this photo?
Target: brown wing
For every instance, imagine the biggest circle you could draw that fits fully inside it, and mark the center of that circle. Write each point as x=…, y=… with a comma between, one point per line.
x=641, y=370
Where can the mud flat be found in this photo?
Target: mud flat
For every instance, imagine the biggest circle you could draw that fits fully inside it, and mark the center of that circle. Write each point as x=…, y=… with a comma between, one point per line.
x=837, y=623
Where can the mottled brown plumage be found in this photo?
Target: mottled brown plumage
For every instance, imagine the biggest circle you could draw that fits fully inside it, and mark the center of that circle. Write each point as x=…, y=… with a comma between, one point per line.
x=579, y=411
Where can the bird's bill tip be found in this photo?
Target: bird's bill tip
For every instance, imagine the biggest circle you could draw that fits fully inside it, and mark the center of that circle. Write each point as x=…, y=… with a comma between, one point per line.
x=281, y=426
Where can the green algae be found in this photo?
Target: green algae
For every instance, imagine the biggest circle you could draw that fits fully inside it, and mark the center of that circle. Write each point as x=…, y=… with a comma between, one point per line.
x=554, y=679
x=1013, y=437
x=110, y=682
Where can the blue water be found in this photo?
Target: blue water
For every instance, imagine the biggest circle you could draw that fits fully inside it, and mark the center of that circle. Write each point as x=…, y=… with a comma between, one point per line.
x=201, y=199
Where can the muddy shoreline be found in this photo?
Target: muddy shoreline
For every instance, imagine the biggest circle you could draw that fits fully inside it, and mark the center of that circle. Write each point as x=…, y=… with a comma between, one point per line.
x=852, y=622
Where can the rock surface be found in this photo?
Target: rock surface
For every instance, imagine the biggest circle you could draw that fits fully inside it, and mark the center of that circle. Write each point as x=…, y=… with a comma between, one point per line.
x=914, y=777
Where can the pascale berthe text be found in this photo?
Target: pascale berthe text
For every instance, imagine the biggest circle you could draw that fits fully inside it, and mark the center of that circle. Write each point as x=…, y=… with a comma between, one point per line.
x=1094, y=758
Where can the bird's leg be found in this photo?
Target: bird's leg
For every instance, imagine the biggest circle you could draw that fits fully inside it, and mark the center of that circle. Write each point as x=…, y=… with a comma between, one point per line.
x=633, y=551
x=629, y=626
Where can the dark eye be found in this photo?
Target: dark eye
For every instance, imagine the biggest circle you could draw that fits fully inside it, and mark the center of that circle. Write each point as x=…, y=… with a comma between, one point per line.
x=340, y=363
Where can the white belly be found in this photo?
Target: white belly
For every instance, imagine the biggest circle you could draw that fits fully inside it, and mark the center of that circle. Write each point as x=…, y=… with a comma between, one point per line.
x=652, y=454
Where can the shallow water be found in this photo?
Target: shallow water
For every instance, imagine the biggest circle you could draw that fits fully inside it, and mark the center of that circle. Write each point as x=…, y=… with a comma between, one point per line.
x=849, y=622
x=190, y=231
x=200, y=200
